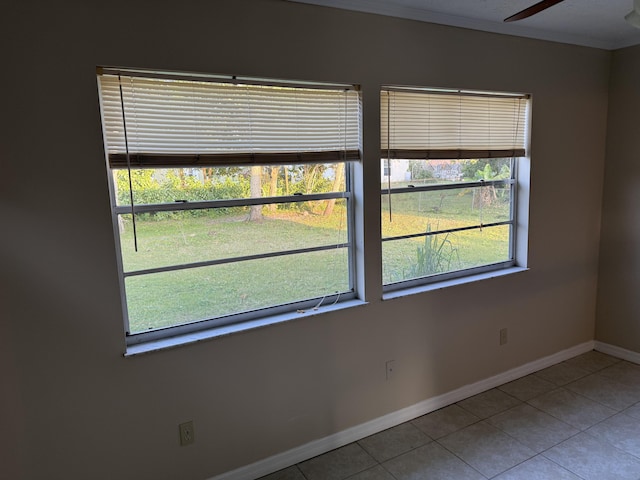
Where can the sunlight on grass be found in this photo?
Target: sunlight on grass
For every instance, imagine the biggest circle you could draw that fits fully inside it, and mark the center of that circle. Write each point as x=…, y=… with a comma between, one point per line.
x=419, y=212
x=183, y=238
x=171, y=298
x=461, y=250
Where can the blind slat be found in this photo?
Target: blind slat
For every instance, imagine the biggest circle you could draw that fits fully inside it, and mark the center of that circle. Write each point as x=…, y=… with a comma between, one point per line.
x=181, y=119
x=437, y=125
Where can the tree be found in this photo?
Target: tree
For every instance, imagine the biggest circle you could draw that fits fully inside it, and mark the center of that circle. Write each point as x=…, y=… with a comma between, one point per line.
x=419, y=170
x=273, y=186
x=487, y=195
x=473, y=169
x=337, y=183
x=255, y=185
x=286, y=181
x=310, y=175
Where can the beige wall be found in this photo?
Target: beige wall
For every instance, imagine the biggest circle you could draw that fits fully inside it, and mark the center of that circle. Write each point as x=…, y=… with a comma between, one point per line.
x=619, y=275
x=73, y=407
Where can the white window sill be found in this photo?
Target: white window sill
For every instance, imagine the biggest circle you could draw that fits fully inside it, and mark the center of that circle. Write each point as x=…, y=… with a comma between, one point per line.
x=452, y=282
x=211, y=333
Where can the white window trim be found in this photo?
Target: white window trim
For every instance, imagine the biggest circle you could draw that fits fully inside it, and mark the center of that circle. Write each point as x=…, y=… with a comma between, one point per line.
x=186, y=332
x=175, y=336
x=446, y=145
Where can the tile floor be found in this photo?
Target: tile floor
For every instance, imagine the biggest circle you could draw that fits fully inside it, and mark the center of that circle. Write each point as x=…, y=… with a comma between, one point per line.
x=579, y=419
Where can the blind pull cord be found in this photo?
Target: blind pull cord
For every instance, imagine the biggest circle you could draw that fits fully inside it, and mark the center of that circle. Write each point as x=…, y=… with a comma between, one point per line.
x=347, y=178
x=343, y=123
x=482, y=195
x=515, y=131
x=126, y=146
x=389, y=154
x=483, y=187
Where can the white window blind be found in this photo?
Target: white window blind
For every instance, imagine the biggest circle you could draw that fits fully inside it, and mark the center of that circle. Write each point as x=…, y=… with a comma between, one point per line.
x=444, y=125
x=183, y=122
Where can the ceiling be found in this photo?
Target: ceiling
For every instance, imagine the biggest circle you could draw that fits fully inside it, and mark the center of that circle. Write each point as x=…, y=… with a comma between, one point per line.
x=592, y=23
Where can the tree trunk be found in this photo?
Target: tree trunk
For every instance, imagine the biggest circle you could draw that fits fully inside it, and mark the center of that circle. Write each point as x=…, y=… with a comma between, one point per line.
x=255, y=184
x=337, y=186
x=483, y=196
x=273, y=187
x=286, y=181
x=309, y=175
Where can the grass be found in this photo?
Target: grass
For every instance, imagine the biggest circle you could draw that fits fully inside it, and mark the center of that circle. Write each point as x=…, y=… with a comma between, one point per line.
x=170, y=298
x=173, y=298
x=187, y=239
x=414, y=213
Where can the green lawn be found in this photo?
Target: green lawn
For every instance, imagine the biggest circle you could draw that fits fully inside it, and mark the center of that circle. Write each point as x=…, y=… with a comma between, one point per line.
x=171, y=298
x=418, y=212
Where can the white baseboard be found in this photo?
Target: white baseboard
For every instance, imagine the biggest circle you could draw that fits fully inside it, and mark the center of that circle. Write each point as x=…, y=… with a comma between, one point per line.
x=618, y=352
x=339, y=439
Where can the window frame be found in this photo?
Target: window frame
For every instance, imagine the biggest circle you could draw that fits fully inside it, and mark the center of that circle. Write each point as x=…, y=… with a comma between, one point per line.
x=464, y=272
x=236, y=318
x=288, y=159
x=517, y=155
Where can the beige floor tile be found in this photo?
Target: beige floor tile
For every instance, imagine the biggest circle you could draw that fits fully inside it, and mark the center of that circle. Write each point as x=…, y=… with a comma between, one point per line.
x=593, y=459
x=621, y=431
x=486, y=448
x=528, y=387
x=561, y=423
x=623, y=372
x=394, y=441
x=375, y=473
x=538, y=468
x=431, y=462
x=532, y=427
x=593, y=361
x=291, y=473
x=633, y=411
x=489, y=403
x=337, y=464
x=606, y=391
x=445, y=421
x=562, y=373
x=571, y=408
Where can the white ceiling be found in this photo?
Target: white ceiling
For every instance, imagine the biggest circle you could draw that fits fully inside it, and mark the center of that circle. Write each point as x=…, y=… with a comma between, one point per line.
x=592, y=23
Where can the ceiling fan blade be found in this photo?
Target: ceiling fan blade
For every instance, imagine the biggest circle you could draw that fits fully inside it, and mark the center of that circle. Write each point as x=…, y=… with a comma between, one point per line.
x=532, y=10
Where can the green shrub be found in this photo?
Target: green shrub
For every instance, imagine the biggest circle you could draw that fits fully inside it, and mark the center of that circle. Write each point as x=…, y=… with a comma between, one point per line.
x=433, y=256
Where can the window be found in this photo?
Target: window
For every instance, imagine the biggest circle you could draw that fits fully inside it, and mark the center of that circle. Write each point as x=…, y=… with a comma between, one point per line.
x=231, y=198
x=450, y=164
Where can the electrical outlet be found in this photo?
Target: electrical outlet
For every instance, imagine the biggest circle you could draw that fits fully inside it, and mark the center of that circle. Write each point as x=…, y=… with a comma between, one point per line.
x=503, y=336
x=391, y=367
x=186, y=433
